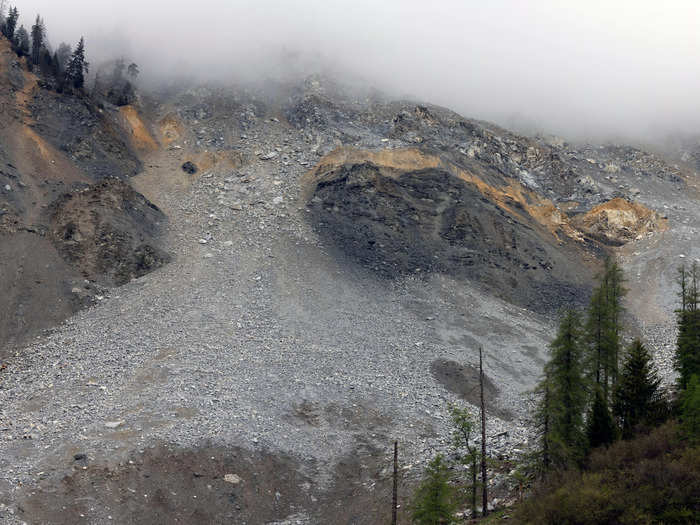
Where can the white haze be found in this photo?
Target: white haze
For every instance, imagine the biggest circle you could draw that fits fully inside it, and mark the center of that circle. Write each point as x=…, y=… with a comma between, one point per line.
x=574, y=67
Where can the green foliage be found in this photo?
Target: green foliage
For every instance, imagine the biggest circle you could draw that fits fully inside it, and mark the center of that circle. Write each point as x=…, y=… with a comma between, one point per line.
x=687, y=360
x=690, y=410
x=22, y=38
x=653, y=478
x=10, y=24
x=566, y=394
x=464, y=429
x=77, y=66
x=637, y=398
x=603, y=327
x=600, y=428
x=434, y=501
x=38, y=35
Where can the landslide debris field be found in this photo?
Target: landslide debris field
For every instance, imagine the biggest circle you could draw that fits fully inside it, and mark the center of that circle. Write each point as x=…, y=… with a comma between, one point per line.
x=288, y=308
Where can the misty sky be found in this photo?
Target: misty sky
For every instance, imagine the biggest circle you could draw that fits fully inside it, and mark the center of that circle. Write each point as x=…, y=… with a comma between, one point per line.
x=573, y=67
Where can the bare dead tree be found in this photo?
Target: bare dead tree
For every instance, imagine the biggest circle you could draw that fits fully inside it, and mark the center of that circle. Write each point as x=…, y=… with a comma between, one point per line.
x=395, y=495
x=484, y=479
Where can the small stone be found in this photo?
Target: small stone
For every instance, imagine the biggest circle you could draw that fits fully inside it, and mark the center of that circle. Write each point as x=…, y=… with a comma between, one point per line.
x=202, y=241
x=228, y=243
x=232, y=478
x=278, y=200
x=114, y=424
x=269, y=156
x=79, y=457
x=8, y=187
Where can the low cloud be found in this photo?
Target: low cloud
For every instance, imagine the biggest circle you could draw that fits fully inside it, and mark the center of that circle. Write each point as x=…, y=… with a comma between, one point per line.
x=578, y=68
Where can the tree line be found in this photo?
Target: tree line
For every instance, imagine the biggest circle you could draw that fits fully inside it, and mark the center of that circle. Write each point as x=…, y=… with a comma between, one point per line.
x=594, y=392
x=65, y=67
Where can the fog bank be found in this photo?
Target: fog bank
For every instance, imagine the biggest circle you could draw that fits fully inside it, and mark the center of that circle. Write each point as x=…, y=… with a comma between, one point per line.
x=577, y=68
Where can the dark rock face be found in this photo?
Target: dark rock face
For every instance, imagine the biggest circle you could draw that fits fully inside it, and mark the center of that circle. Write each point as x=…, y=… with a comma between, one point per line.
x=429, y=220
x=109, y=231
x=93, y=140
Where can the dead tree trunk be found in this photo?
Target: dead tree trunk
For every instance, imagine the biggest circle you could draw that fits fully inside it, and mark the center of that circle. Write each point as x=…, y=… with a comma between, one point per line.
x=484, y=479
x=395, y=495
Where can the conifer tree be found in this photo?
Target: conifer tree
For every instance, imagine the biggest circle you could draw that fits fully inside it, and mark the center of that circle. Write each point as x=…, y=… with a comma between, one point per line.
x=603, y=327
x=63, y=54
x=10, y=24
x=567, y=392
x=22, y=38
x=687, y=358
x=600, y=426
x=434, y=502
x=615, y=287
x=637, y=398
x=77, y=66
x=38, y=35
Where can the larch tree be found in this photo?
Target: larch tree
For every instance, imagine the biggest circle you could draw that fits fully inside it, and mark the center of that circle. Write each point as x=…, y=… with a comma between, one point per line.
x=687, y=358
x=567, y=387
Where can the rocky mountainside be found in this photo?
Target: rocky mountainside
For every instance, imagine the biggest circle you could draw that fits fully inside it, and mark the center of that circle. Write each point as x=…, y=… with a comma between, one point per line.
x=69, y=225
x=336, y=258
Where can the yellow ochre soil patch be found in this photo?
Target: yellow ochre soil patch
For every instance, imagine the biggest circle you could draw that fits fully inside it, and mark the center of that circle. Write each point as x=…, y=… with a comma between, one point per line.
x=171, y=129
x=619, y=221
x=141, y=137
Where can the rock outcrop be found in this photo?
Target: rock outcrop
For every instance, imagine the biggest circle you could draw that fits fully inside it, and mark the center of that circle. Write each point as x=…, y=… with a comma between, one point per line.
x=409, y=211
x=109, y=231
x=619, y=221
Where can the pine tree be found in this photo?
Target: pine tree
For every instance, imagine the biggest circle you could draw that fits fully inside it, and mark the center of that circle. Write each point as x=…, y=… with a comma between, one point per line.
x=77, y=66
x=600, y=427
x=637, y=398
x=567, y=393
x=8, y=28
x=38, y=34
x=687, y=358
x=434, y=502
x=23, y=44
x=464, y=428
